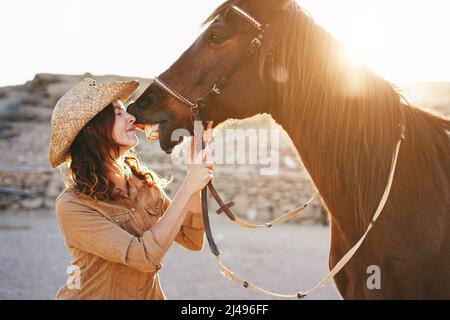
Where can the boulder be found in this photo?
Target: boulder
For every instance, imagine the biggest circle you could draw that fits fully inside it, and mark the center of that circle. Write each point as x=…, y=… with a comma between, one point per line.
x=32, y=203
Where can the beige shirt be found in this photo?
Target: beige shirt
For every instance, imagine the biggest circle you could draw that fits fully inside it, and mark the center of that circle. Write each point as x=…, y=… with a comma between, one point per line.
x=114, y=253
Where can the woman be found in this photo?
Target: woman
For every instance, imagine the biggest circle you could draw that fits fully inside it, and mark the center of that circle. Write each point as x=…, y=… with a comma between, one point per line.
x=116, y=220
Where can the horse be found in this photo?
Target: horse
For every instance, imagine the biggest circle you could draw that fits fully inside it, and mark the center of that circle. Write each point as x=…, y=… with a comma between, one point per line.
x=343, y=120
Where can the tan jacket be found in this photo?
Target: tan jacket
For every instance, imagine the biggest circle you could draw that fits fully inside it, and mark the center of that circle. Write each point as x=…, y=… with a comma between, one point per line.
x=114, y=253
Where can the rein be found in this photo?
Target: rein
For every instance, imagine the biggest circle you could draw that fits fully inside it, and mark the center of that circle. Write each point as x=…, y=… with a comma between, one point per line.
x=199, y=113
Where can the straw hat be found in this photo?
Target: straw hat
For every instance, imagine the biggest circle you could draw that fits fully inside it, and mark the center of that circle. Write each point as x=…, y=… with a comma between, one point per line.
x=79, y=105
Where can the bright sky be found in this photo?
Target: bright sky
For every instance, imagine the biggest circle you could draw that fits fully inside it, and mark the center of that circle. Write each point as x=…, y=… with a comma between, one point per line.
x=401, y=40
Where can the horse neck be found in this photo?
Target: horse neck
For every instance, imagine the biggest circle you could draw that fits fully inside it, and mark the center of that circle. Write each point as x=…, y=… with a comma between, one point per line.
x=343, y=120
x=349, y=174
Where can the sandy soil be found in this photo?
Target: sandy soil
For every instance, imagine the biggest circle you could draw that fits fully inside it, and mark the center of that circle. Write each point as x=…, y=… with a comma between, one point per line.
x=285, y=258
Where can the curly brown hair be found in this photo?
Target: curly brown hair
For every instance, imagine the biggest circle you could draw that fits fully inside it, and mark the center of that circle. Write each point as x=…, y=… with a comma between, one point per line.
x=91, y=159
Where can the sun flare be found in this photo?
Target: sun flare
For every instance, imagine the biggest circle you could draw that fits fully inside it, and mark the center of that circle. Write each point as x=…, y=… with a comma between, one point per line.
x=394, y=38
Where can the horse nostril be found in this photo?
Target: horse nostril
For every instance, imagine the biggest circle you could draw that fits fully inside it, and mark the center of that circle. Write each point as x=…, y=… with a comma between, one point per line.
x=147, y=101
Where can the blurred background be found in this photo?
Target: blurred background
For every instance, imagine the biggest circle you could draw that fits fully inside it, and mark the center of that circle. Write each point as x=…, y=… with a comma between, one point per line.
x=48, y=46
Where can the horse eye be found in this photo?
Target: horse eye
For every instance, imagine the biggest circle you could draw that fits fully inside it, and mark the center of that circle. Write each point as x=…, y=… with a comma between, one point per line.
x=216, y=39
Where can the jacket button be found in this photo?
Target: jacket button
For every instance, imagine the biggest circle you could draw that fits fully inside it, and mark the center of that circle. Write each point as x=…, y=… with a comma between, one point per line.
x=132, y=209
x=117, y=220
x=140, y=289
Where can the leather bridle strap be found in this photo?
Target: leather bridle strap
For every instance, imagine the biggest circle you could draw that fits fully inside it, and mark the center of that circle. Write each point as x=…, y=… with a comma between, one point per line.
x=248, y=17
x=173, y=92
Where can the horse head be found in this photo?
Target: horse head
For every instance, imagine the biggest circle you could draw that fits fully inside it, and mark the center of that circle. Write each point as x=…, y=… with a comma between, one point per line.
x=227, y=60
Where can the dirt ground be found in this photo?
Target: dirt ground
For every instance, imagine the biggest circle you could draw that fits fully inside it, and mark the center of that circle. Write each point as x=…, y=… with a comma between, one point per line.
x=284, y=258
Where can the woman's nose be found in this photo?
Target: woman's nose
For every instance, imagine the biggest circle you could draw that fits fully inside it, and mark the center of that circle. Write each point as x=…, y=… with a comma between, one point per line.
x=131, y=119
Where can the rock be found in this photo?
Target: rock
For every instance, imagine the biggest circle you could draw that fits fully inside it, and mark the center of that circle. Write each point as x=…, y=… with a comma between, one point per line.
x=242, y=204
x=42, y=80
x=15, y=192
x=38, y=114
x=262, y=202
x=15, y=110
x=7, y=131
x=9, y=109
x=6, y=200
x=57, y=90
x=290, y=162
x=55, y=185
x=22, y=105
x=252, y=214
x=33, y=203
x=14, y=206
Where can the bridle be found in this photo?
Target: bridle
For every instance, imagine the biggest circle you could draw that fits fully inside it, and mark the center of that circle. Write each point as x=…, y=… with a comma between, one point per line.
x=199, y=113
x=200, y=104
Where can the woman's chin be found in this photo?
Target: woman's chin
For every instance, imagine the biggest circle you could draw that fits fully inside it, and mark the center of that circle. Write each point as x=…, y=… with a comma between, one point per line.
x=131, y=143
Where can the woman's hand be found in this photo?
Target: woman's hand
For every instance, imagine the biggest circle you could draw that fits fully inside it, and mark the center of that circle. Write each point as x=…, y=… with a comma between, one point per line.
x=189, y=150
x=200, y=168
x=198, y=177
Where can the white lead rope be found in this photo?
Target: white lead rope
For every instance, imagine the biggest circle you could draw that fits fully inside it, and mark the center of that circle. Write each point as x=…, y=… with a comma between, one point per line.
x=291, y=214
x=234, y=277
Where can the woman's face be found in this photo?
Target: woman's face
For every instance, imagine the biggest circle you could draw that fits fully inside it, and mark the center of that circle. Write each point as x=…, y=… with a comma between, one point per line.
x=124, y=132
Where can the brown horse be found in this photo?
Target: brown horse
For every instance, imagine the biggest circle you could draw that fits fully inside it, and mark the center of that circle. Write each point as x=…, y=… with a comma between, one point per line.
x=343, y=121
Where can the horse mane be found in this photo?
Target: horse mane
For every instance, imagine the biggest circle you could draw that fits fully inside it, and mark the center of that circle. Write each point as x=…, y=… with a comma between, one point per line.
x=356, y=112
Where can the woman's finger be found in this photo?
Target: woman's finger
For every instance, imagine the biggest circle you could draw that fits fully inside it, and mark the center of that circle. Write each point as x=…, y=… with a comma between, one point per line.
x=199, y=157
x=192, y=151
x=208, y=133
